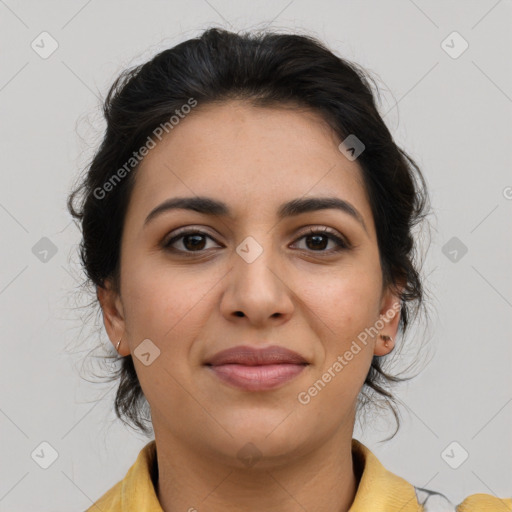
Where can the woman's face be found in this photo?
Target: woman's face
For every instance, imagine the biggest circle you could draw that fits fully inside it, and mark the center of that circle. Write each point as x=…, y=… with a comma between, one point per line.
x=251, y=277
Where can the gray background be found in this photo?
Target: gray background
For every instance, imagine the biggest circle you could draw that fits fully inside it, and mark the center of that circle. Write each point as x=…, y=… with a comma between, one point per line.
x=453, y=115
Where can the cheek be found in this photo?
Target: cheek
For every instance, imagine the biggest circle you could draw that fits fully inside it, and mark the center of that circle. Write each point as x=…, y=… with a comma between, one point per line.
x=164, y=305
x=346, y=300
x=168, y=309
x=347, y=305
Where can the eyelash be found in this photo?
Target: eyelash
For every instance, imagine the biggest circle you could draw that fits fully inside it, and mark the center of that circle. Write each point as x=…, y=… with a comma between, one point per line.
x=340, y=242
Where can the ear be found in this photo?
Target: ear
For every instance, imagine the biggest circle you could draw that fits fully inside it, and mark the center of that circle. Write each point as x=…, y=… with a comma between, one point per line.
x=113, y=316
x=390, y=318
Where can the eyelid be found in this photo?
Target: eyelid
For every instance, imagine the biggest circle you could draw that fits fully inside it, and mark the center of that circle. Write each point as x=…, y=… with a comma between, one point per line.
x=315, y=229
x=186, y=230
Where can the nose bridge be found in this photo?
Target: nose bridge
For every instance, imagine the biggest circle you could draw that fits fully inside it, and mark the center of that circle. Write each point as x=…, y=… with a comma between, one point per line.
x=253, y=260
x=255, y=287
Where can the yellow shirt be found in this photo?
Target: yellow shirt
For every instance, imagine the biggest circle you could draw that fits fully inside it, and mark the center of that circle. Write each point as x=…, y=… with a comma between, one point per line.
x=379, y=490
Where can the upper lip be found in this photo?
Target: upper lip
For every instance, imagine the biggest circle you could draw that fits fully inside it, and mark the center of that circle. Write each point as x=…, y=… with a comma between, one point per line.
x=251, y=356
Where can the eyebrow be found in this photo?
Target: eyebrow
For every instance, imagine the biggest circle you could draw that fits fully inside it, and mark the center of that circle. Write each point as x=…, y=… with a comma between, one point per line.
x=210, y=206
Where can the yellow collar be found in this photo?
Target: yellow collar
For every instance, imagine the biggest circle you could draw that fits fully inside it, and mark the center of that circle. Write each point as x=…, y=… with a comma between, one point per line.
x=378, y=489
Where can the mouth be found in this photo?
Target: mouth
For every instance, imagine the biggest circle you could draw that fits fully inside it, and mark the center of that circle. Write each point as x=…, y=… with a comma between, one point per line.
x=253, y=369
x=257, y=378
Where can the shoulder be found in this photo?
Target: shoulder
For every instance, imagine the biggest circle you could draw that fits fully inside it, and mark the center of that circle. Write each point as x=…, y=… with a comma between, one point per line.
x=432, y=501
x=478, y=502
x=111, y=500
x=136, y=491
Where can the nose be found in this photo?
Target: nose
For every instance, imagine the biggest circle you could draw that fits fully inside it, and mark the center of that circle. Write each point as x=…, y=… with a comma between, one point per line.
x=257, y=291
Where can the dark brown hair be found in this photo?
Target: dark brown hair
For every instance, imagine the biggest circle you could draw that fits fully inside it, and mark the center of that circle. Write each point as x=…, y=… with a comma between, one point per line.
x=266, y=69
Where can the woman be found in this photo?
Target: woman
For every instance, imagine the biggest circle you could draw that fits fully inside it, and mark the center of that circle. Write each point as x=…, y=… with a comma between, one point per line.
x=247, y=225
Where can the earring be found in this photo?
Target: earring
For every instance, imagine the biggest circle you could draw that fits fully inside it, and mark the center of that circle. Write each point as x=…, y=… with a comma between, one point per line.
x=118, y=343
x=386, y=339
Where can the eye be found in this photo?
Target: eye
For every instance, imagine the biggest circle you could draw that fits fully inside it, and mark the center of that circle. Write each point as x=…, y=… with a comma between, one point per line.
x=191, y=240
x=318, y=238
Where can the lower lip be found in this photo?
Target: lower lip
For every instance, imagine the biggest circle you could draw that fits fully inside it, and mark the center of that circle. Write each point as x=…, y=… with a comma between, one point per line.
x=257, y=378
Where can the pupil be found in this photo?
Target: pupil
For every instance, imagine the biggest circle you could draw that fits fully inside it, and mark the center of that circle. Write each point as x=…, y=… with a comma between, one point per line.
x=316, y=237
x=196, y=244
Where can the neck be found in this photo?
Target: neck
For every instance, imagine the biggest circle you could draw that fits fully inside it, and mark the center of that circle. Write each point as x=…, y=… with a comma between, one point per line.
x=325, y=480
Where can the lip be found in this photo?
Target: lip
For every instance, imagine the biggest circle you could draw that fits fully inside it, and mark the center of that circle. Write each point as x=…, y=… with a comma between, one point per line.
x=251, y=356
x=256, y=369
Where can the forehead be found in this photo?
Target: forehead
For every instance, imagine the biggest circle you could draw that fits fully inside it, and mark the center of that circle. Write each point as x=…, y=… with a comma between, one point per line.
x=254, y=158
